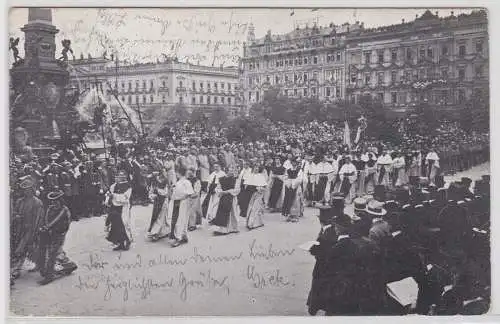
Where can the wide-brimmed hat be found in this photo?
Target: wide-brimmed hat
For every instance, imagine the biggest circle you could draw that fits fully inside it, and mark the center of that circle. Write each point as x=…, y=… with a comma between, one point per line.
x=376, y=208
x=54, y=156
x=26, y=182
x=55, y=195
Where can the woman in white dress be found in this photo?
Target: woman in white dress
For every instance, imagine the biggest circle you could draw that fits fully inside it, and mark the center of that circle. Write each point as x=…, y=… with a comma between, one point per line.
x=178, y=209
x=257, y=185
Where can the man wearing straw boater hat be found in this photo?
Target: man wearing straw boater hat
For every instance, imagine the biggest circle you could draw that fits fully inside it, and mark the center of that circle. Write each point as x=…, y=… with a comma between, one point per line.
x=53, y=231
x=27, y=215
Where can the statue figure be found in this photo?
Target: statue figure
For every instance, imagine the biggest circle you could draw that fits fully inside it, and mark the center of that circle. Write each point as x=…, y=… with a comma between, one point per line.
x=21, y=149
x=105, y=54
x=89, y=56
x=66, y=43
x=81, y=56
x=13, y=46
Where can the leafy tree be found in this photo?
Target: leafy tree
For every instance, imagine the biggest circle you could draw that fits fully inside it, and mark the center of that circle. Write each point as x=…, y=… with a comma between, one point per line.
x=177, y=114
x=218, y=117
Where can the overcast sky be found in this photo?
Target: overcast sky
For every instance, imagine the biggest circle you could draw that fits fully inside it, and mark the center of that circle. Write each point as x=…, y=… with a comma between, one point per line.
x=205, y=36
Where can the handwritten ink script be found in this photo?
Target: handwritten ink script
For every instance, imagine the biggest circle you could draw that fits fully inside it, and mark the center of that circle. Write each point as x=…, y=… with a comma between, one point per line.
x=193, y=36
x=128, y=275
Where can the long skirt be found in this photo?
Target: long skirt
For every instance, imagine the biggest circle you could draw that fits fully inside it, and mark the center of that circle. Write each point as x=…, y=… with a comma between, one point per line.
x=370, y=182
x=50, y=245
x=383, y=178
x=209, y=206
x=178, y=219
x=159, y=228
x=194, y=207
x=255, y=210
x=320, y=188
x=401, y=177
x=226, y=220
x=118, y=223
x=244, y=200
x=360, y=183
x=277, y=194
x=158, y=203
x=294, y=202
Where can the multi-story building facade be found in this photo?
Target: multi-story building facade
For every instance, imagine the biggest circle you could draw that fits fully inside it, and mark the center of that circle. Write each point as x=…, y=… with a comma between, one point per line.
x=443, y=61
x=153, y=86
x=308, y=62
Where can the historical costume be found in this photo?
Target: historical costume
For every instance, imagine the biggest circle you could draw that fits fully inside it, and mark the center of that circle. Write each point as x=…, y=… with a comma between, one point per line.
x=348, y=175
x=226, y=220
x=257, y=184
x=307, y=166
x=398, y=167
x=371, y=172
x=277, y=191
x=293, y=205
x=209, y=205
x=53, y=231
x=118, y=220
x=194, y=202
x=244, y=193
x=384, y=164
x=432, y=163
x=360, y=164
x=178, y=210
x=160, y=194
x=324, y=174
x=27, y=217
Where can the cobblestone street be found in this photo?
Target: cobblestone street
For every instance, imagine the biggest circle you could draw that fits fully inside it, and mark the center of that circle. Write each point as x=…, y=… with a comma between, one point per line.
x=259, y=272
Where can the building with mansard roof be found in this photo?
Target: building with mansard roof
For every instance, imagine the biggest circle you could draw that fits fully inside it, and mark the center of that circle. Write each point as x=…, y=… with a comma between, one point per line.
x=161, y=85
x=439, y=60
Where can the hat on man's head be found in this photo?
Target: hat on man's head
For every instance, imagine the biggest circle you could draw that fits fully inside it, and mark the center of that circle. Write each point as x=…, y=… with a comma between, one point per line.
x=54, y=156
x=55, y=195
x=325, y=213
x=376, y=208
x=26, y=182
x=342, y=220
x=337, y=202
x=360, y=203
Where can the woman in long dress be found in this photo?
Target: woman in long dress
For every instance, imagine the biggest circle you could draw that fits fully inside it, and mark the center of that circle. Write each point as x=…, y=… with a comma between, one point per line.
x=209, y=205
x=160, y=195
x=257, y=185
x=226, y=221
x=293, y=206
x=244, y=195
x=399, y=165
x=118, y=220
x=195, y=202
x=432, y=163
x=178, y=209
x=277, y=193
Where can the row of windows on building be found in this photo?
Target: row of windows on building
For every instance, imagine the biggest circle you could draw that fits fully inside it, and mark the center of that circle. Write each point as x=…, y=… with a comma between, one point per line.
x=441, y=97
x=223, y=85
x=420, y=74
x=335, y=92
x=144, y=99
x=287, y=45
x=209, y=100
x=422, y=53
x=297, y=61
x=331, y=75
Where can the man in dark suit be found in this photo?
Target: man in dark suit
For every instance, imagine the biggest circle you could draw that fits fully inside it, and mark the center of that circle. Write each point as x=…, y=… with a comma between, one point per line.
x=327, y=238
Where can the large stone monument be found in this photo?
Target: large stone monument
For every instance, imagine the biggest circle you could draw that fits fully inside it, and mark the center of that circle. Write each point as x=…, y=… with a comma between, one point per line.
x=38, y=81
